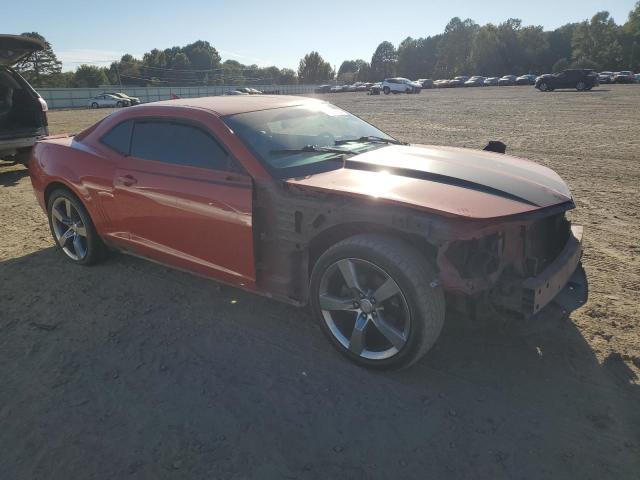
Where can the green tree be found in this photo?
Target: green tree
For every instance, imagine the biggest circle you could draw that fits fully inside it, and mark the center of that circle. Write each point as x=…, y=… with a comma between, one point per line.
x=408, y=64
x=364, y=72
x=534, y=47
x=383, y=61
x=559, y=41
x=313, y=69
x=630, y=40
x=486, y=53
x=61, y=80
x=349, y=71
x=89, y=76
x=584, y=63
x=560, y=65
x=288, y=77
x=597, y=40
x=454, y=48
x=202, y=56
x=127, y=71
x=40, y=67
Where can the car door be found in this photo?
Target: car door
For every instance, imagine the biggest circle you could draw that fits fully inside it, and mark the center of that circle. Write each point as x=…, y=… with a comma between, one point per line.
x=182, y=199
x=564, y=80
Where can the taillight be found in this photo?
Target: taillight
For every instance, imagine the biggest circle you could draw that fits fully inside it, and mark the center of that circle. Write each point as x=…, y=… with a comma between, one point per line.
x=45, y=109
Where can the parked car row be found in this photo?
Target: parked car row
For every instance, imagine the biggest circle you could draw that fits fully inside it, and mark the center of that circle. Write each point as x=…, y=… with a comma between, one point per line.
x=624, y=76
x=356, y=87
x=112, y=100
x=244, y=91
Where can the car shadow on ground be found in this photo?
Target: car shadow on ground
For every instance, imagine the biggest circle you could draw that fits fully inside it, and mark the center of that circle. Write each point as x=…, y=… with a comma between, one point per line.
x=9, y=176
x=132, y=369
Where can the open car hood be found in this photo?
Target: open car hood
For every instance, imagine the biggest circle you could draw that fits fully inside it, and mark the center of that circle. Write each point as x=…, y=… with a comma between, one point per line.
x=447, y=180
x=14, y=48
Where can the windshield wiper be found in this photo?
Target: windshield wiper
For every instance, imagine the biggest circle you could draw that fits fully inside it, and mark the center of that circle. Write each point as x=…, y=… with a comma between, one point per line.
x=371, y=138
x=313, y=149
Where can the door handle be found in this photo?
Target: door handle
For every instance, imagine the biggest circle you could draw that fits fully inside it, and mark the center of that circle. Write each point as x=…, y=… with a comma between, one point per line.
x=128, y=180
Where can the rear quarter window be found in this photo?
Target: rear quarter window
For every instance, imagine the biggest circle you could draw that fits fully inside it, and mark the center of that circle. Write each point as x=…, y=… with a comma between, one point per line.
x=119, y=137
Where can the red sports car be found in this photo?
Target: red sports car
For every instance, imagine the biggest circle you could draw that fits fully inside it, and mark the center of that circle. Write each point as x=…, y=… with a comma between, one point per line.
x=299, y=200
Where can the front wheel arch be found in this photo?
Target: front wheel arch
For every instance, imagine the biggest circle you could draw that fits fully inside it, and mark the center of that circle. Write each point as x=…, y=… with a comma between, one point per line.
x=337, y=233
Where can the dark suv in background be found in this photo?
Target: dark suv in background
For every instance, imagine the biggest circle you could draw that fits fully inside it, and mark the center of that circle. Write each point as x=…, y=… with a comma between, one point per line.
x=23, y=112
x=581, y=80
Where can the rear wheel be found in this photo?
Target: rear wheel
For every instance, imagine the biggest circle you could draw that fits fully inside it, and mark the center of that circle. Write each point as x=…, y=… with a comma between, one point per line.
x=118, y=104
x=377, y=300
x=94, y=105
x=386, y=90
x=73, y=230
x=580, y=86
x=408, y=90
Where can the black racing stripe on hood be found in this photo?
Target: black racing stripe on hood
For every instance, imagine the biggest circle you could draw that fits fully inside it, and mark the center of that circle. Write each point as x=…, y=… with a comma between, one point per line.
x=436, y=177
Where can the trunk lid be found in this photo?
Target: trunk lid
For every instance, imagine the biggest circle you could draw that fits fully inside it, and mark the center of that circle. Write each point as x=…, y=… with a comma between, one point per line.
x=14, y=48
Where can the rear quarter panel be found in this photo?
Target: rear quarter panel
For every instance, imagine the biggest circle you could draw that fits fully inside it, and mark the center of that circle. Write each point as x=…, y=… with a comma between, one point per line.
x=84, y=171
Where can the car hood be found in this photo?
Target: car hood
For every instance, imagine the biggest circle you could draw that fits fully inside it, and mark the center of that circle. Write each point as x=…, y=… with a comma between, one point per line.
x=448, y=180
x=14, y=48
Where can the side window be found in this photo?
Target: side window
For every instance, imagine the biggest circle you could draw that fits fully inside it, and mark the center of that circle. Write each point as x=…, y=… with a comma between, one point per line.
x=178, y=144
x=119, y=137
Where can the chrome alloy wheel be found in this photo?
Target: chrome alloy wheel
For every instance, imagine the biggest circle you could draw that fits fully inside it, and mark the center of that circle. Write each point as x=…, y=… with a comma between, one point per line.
x=69, y=229
x=364, y=309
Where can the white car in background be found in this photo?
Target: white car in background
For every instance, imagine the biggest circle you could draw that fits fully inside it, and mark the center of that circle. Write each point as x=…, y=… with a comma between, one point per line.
x=107, y=100
x=400, y=85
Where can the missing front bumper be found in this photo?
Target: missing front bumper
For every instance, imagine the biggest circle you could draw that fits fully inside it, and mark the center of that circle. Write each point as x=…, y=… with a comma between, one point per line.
x=560, y=279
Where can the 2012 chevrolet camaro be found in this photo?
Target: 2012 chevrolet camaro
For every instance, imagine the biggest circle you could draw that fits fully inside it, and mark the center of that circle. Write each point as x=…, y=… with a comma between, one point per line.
x=299, y=200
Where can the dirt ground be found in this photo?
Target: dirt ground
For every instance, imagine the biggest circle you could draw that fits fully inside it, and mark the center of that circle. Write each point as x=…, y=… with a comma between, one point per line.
x=132, y=370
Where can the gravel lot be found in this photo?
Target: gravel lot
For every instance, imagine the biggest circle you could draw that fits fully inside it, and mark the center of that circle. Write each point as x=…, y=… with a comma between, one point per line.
x=132, y=370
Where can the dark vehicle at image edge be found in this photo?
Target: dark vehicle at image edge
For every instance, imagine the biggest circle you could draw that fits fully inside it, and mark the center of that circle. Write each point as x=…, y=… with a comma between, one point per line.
x=581, y=80
x=299, y=200
x=23, y=113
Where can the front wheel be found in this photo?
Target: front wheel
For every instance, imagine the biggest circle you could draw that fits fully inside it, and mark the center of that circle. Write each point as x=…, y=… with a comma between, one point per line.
x=72, y=229
x=94, y=105
x=378, y=301
x=386, y=90
x=543, y=87
x=119, y=104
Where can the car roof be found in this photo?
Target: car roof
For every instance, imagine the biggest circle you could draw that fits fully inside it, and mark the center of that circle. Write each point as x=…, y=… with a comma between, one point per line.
x=231, y=105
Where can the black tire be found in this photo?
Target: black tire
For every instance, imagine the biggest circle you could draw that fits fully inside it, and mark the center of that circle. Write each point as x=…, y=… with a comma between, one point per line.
x=417, y=283
x=580, y=86
x=119, y=104
x=543, y=87
x=95, y=248
x=94, y=105
x=408, y=91
x=386, y=90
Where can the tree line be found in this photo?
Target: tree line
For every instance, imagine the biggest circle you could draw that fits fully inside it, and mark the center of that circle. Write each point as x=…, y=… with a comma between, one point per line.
x=463, y=48
x=466, y=48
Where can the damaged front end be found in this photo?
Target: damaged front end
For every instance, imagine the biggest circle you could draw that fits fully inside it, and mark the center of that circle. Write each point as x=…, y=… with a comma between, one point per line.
x=520, y=265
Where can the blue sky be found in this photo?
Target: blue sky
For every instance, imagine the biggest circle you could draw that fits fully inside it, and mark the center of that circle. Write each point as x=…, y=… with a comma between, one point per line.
x=268, y=32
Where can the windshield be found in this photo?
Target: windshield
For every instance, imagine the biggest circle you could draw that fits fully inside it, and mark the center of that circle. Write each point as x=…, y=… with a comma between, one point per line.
x=282, y=138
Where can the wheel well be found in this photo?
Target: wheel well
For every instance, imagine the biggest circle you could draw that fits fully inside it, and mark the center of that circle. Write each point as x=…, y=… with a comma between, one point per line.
x=329, y=237
x=53, y=186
